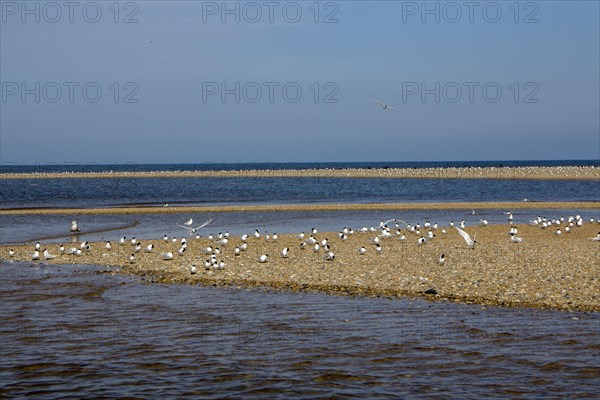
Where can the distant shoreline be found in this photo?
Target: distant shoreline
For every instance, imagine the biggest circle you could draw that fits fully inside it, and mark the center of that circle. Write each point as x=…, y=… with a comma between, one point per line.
x=303, y=207
x=516, y=173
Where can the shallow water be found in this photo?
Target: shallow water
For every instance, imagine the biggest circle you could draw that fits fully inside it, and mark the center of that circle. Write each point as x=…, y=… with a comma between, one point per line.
x=69, y=331
x=55, y=228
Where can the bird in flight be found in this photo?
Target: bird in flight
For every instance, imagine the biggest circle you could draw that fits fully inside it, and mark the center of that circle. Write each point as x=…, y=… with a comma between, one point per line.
x=465, y=235
x=383, y=105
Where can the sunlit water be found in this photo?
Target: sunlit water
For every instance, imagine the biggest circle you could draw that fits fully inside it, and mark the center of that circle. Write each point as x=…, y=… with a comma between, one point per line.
x=72, y=332
x=69, y=331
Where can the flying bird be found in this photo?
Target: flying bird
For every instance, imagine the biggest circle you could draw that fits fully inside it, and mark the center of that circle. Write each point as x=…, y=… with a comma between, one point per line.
x=383, y=105
x=465, y=235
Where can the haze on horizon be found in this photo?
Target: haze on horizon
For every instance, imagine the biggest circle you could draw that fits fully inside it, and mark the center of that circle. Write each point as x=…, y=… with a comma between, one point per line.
x=190, y=82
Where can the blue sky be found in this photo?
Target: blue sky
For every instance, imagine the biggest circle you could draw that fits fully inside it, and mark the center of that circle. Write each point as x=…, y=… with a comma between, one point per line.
x=547, y=71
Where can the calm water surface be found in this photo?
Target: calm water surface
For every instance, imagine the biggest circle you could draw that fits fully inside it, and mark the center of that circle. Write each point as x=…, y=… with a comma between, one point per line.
x=71, y=332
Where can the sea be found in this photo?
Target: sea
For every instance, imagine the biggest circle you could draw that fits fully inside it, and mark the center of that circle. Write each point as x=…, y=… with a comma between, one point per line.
x=81, y=331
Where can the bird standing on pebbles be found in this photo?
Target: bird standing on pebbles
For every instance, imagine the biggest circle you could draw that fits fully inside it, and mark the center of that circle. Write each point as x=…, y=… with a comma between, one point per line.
x=515, y=239
x=48, y=256
x=442, y=259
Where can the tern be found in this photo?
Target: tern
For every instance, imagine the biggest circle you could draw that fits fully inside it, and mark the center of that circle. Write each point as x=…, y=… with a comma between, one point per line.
x=465, y=235
x=285, y=252
x=330, y=256
x=132, y=259
x=48, y=256
x=35, y=256
x=149, y=248
x=597, y=238
x=108, y=246
x=362, y=250
x=167, y=256
x=383, y=105
x=442, y=259
x=11, y=253
x=37, y=246
x=193, y=269
x=188, y=225
x=263, y=258
x=74, y=227
x=516, y=239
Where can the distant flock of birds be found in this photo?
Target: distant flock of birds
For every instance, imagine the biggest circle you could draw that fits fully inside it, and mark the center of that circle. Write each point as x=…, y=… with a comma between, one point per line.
x=425, y=234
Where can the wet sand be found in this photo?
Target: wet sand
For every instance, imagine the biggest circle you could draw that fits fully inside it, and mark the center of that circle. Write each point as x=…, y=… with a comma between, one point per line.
x=541, y=173
x=545, y=271
x=545, y=205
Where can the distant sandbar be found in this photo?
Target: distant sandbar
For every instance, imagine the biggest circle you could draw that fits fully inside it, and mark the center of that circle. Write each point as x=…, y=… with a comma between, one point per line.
x=529, y=173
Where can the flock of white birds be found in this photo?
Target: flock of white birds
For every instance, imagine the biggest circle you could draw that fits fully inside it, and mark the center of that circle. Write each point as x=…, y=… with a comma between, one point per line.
x=419, y=233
